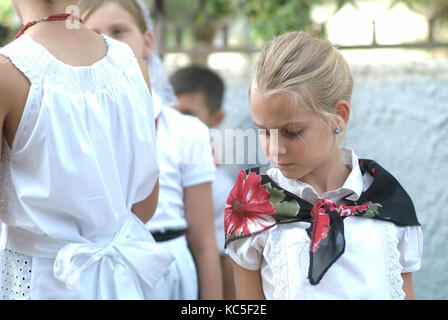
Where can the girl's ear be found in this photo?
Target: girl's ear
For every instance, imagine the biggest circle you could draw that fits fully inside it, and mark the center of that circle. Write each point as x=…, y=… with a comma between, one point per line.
x=148, y=45
x=342, y=110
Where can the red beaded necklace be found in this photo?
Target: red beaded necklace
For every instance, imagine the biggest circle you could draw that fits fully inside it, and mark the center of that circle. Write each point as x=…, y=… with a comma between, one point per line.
x=55, y=17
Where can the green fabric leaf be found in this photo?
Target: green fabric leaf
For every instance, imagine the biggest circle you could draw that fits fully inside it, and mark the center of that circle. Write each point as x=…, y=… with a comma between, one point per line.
x=283, y=209
x=287, y=209
x=276, y=196
x=375, y=207
x=369, y=214
x=373, y=210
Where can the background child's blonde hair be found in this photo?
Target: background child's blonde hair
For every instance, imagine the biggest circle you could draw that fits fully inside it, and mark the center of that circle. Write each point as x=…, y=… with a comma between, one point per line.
x=307, y=69
x=88, y=7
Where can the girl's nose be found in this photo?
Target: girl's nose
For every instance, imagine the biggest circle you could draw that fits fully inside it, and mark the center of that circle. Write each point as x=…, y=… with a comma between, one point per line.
x=277, y=146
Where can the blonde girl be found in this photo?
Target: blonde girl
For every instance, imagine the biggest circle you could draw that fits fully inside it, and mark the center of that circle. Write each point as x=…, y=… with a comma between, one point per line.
x=321, y=223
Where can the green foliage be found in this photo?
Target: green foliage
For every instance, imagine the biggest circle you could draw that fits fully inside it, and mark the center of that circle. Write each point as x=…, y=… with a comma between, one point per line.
x=341, y=3
x=198, y=11
x=217, y=9
x=273, y=17
x=266, y=17
x=5, y=10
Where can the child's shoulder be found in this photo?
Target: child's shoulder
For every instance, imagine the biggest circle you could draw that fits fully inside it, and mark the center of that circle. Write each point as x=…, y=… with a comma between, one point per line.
x=6, y=64
x=12, y=78
x=14, y=86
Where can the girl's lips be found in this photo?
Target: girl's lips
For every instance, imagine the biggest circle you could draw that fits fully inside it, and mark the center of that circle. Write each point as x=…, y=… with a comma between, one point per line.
x=284, y=165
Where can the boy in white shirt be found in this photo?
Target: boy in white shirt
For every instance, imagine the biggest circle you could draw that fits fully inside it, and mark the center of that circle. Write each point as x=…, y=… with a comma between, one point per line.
x=200, y=92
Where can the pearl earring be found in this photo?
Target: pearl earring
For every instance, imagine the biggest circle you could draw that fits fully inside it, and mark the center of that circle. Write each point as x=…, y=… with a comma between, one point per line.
x=336, y=131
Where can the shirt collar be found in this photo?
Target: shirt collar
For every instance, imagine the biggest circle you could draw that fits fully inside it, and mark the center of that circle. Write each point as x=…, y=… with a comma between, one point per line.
x=352, y=187
x=354, y=182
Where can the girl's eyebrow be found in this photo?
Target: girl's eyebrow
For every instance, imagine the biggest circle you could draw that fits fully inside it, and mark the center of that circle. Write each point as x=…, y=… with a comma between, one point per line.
x=287, y=124
x=118, y=24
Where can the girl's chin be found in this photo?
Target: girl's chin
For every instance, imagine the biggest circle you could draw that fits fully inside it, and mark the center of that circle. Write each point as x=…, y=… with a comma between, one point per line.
x=294, y=172
x=290, y=173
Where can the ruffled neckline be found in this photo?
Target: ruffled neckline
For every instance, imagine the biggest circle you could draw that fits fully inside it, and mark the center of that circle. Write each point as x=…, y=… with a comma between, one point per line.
x=41, y=66
x=46, y=52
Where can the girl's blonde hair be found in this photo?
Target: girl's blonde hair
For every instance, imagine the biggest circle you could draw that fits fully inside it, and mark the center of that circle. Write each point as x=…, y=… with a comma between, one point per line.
x=307, y=69
x=88, y=7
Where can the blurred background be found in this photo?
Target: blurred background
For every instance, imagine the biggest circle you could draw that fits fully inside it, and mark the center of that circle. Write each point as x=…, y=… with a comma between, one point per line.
x=398, y=53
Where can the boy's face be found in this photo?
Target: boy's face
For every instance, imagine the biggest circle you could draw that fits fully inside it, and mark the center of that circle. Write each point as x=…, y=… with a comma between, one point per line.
x=195, y=104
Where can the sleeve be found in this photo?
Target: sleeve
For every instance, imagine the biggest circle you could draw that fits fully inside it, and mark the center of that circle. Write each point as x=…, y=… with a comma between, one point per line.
x=221, y=188
x=248, y=252
x=197, y=164
x=145, y=158
x=410, y=245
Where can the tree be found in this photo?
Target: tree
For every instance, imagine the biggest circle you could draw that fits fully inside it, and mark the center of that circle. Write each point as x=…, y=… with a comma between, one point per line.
x=436, y=11
x=197, y=21
x=267, y=17
x=6, y=13
x=202, y=18
x=5, y=10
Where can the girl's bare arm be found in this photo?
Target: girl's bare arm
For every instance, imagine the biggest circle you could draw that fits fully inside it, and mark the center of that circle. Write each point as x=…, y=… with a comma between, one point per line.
x=248, y=283
x=408, y=286
x=202, y=240
x=145, y=209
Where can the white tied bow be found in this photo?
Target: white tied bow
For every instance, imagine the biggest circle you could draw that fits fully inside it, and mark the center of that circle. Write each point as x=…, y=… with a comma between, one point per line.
x=131, y=251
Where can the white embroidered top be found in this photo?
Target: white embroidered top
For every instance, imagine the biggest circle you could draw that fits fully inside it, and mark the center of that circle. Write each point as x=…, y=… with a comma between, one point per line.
x=376, y=252
x=83, y=154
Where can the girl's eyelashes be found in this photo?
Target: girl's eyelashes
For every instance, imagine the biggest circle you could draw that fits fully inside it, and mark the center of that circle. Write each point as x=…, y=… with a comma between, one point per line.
x=291, y=134
x=118, y=31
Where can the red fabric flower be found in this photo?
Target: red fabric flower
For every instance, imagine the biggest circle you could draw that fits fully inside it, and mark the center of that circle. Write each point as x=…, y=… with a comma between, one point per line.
x=346, y=211
x=248, y=208
x=321, y=221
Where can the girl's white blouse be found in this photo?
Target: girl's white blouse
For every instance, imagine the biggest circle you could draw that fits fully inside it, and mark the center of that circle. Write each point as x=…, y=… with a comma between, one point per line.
x=83, y=154
x=376, y=252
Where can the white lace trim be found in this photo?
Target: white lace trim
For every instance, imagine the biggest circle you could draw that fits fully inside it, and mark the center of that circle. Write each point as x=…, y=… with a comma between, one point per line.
x=392, y=260
x=15, y=276
x=279, y=266
x=6, y=192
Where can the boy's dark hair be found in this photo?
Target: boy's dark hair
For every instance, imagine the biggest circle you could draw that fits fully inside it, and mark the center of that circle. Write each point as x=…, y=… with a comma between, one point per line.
x=200, y=79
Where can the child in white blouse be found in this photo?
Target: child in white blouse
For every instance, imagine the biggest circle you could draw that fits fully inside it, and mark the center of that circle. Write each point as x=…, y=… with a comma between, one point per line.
x=184, y=216
x=78, y=173
x=300, y=99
